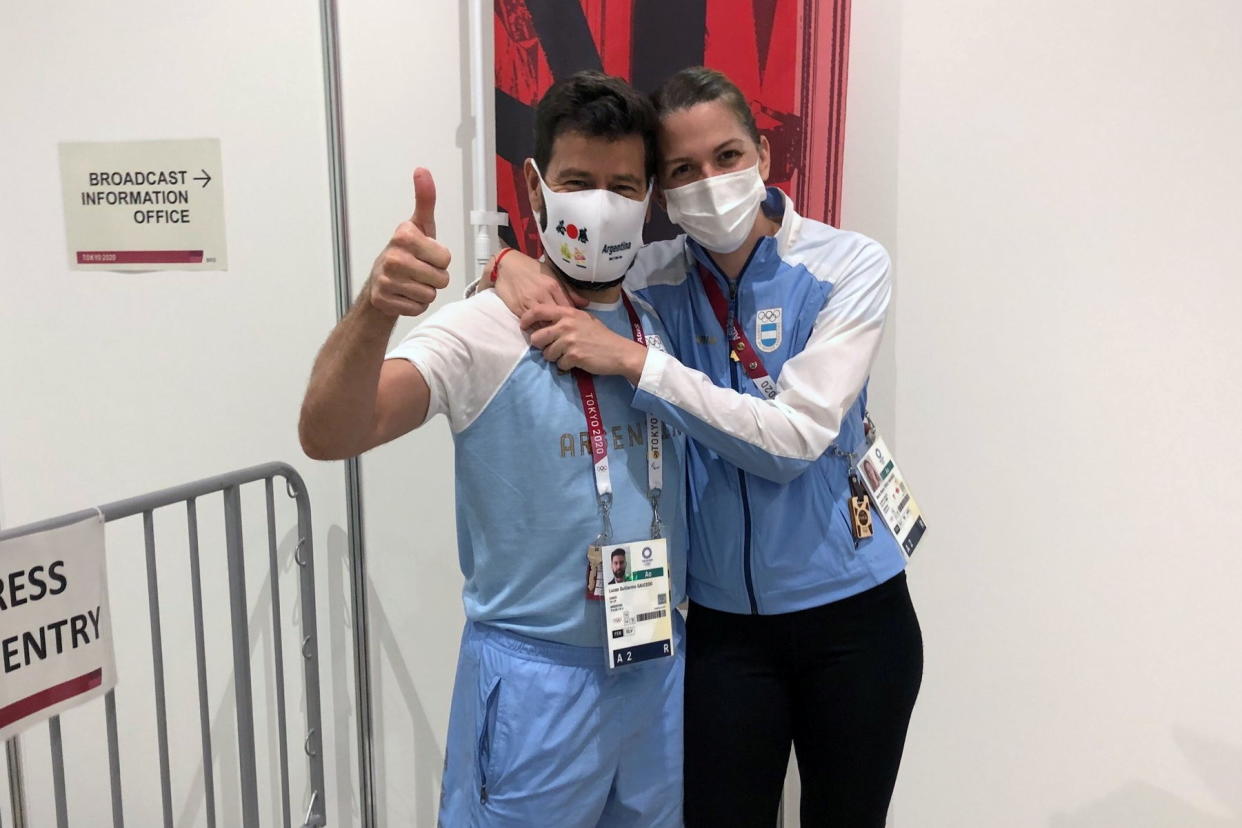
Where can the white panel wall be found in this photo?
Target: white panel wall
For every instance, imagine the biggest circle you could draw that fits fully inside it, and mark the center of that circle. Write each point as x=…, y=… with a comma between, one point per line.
x=1068, y=264
x=114, y=384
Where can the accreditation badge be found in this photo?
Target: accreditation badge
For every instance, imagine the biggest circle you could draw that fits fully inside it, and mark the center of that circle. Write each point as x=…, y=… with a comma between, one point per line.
x=890, y=493
x=637, y=595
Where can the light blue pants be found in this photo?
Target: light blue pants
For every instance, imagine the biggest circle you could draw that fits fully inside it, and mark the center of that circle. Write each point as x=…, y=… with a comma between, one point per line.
x=543, y=734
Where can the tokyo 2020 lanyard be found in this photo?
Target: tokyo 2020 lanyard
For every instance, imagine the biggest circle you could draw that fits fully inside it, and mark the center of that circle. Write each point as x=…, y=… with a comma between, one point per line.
x=599, y=442
x=752, y=364
x=739, y=345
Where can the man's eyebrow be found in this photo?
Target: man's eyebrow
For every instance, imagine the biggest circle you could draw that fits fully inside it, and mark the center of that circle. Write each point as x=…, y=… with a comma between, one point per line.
x=627, y=178
x=571, y=172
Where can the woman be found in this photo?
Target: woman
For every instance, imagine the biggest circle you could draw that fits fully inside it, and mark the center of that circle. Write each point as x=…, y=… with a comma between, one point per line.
x=800, y=630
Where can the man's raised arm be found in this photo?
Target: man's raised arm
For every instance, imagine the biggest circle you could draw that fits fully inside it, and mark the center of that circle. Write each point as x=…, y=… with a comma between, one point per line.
x=355, y=400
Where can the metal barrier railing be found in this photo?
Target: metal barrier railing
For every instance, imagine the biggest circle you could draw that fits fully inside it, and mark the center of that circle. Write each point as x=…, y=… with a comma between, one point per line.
x=229, y=486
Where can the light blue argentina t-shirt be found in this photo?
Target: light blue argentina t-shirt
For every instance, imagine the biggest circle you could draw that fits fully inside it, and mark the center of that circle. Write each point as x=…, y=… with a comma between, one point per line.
x=526, y=504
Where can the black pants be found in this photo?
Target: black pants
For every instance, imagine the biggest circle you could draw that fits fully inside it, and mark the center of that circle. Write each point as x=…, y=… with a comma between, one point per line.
x=838, y=681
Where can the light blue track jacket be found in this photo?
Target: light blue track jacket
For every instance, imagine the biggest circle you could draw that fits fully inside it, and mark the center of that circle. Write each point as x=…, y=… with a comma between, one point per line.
x=768, y=479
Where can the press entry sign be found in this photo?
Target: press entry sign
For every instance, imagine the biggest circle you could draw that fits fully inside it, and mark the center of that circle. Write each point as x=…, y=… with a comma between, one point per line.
x=55, y=628
x=144, y=205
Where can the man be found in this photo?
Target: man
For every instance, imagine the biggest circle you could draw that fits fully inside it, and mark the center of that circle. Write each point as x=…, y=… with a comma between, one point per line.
x=618, y=566
x=548, y=464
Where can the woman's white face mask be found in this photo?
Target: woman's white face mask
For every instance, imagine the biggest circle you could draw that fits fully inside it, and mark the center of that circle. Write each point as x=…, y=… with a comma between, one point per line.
x=718, y=212
x=592, y=235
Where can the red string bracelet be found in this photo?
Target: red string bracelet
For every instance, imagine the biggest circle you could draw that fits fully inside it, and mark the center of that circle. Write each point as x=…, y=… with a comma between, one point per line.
x=496, y=267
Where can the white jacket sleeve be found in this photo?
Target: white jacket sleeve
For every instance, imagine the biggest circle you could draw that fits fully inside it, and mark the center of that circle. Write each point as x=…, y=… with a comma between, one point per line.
x=780, y=438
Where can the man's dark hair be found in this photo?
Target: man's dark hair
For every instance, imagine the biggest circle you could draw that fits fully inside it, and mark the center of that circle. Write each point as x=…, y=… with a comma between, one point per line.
x=598, y=106
x=617, y=552
x=697, y=85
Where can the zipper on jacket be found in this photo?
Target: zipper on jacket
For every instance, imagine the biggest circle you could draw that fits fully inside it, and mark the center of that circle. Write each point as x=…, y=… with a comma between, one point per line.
x=741, y=475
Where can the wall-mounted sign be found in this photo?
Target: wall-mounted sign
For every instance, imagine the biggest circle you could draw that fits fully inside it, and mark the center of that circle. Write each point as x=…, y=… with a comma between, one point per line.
x=144, y=205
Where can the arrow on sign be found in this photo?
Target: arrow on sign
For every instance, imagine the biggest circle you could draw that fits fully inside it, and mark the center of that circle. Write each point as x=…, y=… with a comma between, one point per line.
x=205, y=178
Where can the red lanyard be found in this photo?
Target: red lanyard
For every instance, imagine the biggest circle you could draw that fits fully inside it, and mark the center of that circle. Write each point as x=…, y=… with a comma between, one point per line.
x=599, y=439
x=739, y=346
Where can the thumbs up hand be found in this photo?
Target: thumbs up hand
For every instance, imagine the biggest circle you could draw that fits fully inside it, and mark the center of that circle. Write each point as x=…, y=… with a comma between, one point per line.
x=413, y=266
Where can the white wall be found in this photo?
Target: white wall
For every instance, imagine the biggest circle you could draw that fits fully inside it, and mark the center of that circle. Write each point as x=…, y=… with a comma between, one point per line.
x=114, y=384
x=1065, y=204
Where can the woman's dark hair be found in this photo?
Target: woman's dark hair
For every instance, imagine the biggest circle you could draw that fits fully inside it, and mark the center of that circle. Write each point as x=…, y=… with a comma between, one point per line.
x=698, y=84
x=596, y=105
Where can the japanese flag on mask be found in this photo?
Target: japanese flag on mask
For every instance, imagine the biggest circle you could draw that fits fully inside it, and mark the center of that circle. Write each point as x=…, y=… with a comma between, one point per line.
x=591, y=235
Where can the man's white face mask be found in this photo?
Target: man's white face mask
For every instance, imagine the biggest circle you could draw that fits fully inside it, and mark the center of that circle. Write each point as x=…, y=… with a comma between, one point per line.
x=592, y=235
x=718, y=212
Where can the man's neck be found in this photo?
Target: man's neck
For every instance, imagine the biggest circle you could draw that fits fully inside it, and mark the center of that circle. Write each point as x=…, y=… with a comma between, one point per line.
x=604, y=296
x=731, y=264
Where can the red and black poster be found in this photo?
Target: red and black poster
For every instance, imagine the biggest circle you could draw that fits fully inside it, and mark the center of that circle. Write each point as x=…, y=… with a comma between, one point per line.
x=788, y=57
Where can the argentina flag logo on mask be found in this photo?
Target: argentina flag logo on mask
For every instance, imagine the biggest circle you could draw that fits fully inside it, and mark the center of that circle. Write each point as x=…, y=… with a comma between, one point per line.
x=768, y=329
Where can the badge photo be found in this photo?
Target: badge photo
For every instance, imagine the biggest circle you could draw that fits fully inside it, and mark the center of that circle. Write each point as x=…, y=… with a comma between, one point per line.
x=768, y=329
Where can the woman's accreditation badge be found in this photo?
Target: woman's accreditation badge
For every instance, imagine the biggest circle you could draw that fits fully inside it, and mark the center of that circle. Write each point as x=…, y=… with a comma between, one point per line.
x=878, y=472
x=637, y=592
